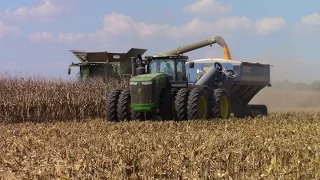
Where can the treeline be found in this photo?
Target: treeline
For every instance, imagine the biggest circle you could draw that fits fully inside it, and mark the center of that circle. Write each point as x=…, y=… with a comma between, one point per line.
x=314, y=86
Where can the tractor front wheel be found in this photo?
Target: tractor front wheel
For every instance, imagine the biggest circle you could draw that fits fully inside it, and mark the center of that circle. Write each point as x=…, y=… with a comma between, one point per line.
x=112, y=104
x=124, y=106
x=221, y=109
x=198, y=104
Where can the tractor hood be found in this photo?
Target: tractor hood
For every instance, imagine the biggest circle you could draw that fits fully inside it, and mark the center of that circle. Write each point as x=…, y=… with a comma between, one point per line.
x=147, y=77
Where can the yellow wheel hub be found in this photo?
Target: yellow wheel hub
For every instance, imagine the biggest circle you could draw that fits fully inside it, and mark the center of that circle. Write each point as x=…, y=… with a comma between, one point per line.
x=202, y=107
x=224, y=107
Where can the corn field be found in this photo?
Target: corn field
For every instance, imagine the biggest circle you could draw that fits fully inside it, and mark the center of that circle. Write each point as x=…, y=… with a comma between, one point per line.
x=36, y=99
x=282, y=146
x=55, y=129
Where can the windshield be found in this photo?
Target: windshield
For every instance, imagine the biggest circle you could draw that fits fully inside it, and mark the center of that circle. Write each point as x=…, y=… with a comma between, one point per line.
x=167, y=66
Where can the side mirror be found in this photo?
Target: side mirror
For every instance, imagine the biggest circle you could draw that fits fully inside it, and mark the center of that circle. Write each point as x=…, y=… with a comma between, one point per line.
x=191, y=64
x=69, y=71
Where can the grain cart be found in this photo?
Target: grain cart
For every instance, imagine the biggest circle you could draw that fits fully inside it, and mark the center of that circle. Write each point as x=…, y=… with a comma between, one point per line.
x=160, y=87
x=251, y=78
x=104, y=64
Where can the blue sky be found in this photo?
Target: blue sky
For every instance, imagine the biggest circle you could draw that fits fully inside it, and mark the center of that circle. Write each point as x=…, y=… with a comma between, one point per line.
x=36, y=35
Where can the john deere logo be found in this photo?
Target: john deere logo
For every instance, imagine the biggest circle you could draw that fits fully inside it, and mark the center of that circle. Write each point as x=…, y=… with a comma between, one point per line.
x=139, y=90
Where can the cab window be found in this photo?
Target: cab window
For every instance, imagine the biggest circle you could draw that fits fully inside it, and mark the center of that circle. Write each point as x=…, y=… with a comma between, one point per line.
x=162, y=66
x=180, y=70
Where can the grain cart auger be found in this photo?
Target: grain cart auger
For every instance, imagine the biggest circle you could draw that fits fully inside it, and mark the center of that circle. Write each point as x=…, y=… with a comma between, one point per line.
x=159, y=88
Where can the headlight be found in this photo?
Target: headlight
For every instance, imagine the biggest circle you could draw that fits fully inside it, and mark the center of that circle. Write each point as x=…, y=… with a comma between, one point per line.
x=133, y=83
x=146, y=83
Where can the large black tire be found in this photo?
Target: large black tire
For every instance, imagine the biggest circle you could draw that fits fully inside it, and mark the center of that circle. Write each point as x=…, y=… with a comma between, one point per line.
x=112, y=105
x=198, y=104
x=221, y=109
x=173, y=96
x=242, y=112
x=166, y=105
x=124, y=106
x=211, y=102
x=258, y=110
x=181, y=103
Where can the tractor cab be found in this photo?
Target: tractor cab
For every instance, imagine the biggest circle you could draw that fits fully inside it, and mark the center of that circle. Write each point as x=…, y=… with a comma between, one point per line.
x=172, y=66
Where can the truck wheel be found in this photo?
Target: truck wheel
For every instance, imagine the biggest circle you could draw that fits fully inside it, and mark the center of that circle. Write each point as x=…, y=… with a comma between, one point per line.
x=124, y=106
x=112, y=103
x=166, y=105
x=181, y=103
x=221, y=108
x=198, y=105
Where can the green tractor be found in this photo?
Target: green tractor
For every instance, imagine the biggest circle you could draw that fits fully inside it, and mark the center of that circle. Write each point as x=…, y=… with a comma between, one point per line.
x=160, y=87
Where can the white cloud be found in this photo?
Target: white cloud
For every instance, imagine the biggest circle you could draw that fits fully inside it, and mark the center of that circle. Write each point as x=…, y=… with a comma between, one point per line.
x=44, y=11
x=270, y=25
x=116, y=24
x=308, y=25
x=7, y=29
x=207, y=6
x=311, y=20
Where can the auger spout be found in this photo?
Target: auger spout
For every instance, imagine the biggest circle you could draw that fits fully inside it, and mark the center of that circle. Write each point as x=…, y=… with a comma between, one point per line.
x=193, y=46
x=217, y=74
x=213, y=75
x=229, y=76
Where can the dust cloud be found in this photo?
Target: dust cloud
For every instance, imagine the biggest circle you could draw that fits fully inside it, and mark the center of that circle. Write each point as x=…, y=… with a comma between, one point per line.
x=288, y=99
x=289, y=63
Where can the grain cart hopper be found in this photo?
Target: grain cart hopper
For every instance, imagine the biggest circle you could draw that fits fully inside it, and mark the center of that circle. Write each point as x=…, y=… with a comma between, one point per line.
x=250, y=79
x=104, y=64
x=159, y=87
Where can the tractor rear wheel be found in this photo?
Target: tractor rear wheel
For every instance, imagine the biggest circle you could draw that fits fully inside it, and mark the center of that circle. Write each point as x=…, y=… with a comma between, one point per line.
x=166, y=105
x=181, y=104
x=124, y=106
x=198, y=104
x=221, y=109
x=112, y=104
